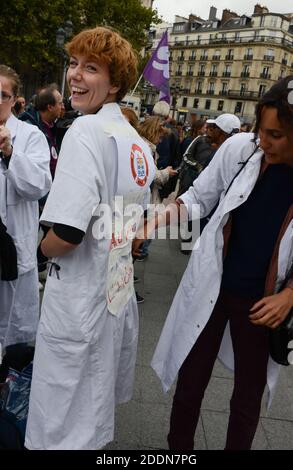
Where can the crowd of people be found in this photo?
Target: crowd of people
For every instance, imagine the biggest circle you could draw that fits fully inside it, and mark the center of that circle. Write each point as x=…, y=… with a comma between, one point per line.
x=61, y=169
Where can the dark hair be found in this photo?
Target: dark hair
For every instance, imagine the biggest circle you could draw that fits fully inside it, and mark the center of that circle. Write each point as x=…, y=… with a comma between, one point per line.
x=196, y=127
x=9, y=73
x=278, y=97
x=46, y=97
x=17, y=107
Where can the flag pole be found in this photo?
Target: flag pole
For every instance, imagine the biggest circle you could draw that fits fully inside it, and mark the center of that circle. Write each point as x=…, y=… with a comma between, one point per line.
x=133, y=91
x=136, y=85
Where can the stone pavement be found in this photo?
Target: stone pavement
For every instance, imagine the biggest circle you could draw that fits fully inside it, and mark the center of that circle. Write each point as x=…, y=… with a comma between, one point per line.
x=143, y=423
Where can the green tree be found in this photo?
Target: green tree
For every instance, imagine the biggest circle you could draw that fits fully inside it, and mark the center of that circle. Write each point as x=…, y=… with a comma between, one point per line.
x=28, y=39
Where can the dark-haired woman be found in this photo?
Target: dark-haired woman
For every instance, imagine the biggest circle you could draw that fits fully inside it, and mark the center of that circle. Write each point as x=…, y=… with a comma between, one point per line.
x=227, y=299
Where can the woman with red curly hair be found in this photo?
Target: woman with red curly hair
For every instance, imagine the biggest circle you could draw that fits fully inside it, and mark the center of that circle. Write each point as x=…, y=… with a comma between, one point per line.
x=87, y=337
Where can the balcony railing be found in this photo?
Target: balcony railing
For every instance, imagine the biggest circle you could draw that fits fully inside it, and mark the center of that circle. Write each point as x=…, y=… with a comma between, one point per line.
x=180, y=58
x=248, y=57
x=192, y=57
x=223, y=92
x=229, y=57
x=210, y=92
x=245, y=40
x=270, y=58
x=284, y=61
x=213, y=74
x=266, y=76
x=201, y=74
x=243, y=94
x=226, y=74
x=216, y=57
x=198, y=92
x=245, y=74
x=203, y=57
x=178, y=73
x=190, y=73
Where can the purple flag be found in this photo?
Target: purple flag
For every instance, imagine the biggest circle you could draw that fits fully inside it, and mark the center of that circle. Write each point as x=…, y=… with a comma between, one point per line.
x=157, y=69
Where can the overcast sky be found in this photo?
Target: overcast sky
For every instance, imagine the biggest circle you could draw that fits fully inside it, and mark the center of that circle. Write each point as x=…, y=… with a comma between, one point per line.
x=169, y=8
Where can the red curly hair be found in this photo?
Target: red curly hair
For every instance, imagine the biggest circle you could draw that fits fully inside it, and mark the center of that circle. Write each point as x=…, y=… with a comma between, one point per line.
x=106, y=46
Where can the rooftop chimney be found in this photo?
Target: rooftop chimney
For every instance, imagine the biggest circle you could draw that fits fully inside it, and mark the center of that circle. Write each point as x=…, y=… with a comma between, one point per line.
x=259, y=10
x=227, y=15
x=213, y=13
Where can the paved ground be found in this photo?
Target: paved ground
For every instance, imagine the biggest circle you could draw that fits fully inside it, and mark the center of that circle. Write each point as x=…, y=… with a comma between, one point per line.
x=143, y=423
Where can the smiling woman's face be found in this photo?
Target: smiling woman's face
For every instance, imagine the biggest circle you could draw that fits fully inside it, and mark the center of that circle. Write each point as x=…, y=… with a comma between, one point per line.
x=275, y=140
x=89, y=83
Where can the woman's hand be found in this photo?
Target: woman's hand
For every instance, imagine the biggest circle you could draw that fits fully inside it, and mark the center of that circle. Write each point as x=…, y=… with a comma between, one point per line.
x=143, y=233
x=171, y=171
x=272, y=310
x=5, y=141
x=136, y=246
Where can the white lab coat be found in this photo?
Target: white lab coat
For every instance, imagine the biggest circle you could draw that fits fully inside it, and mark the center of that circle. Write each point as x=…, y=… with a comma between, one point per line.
x=26, y=180
x=86, y=342
x=200, y=285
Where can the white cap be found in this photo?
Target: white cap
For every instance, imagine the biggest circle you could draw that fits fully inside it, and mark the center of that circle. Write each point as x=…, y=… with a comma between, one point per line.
x=161, y=108
x=226, y=122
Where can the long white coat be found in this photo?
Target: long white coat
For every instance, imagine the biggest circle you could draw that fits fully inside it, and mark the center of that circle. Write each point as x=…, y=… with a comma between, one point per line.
x=87, y=336
x=200, y=285
x=26, y=180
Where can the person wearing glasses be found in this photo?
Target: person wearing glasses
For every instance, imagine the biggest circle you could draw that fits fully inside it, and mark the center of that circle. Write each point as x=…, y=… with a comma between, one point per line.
x=24, y=178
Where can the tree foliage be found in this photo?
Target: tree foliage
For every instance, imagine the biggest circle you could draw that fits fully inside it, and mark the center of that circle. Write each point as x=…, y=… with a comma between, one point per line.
x=28, y=28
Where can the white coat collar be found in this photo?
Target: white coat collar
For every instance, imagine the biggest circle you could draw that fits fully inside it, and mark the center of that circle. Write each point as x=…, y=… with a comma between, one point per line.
x=110, y=108
x=11, y=124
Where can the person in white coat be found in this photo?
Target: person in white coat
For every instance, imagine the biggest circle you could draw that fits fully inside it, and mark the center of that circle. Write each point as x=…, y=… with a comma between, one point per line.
x=228, y=295
x=87, y=337
x=24, y=178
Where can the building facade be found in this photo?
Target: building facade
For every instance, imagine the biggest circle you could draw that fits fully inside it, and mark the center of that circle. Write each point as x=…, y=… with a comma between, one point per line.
x=225, y=65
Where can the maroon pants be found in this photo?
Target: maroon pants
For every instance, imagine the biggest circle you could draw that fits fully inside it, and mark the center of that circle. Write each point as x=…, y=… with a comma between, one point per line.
x=250, y=345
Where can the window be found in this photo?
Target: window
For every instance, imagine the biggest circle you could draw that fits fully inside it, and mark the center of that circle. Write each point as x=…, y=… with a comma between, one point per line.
x=262, y=21
x=220, y=105
x=199, y=87
x=274, y=21
x=195, y=103
x=237, y=36
x=184, y=102
x=238, y=107
x=243, y=89
x=208, y=104
x=261, y=90
x=224, y=87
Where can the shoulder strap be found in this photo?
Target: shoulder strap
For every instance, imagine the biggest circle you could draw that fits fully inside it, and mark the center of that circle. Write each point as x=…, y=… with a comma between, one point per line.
x=243, y=164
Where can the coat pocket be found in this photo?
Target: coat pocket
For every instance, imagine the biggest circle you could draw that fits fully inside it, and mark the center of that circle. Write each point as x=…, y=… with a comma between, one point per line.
x=64, y=313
